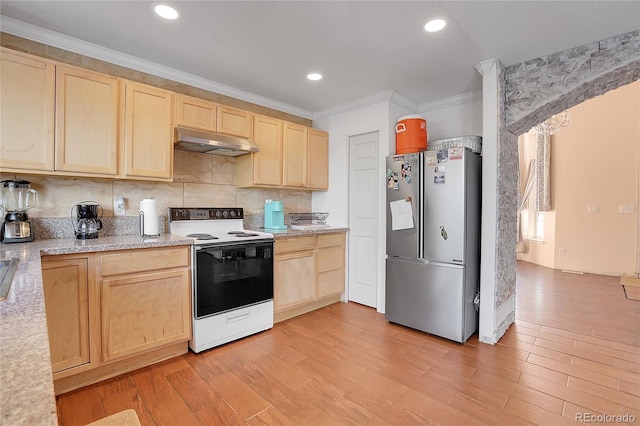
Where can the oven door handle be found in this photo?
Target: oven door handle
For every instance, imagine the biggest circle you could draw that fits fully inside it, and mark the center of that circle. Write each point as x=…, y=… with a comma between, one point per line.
x=240, y=317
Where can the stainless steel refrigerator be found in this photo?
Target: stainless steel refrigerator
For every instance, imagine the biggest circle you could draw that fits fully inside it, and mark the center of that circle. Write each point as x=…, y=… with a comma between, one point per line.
x=433, y=241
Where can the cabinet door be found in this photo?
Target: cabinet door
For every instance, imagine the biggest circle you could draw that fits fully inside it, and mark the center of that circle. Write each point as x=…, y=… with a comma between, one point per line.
x=86, y=121
x=268, y=161
x=66, y=298
x=294, y=279
x=330, y=271
x=294, y=162
x=27, y=105
x=195, y=113
x=144, y=311
x=317, y=159
x=234, y=122
x=148, y=132
x=331, y=260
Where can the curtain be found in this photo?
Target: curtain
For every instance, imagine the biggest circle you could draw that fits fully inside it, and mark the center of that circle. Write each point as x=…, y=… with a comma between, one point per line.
x=523, y=229
x=543, y=172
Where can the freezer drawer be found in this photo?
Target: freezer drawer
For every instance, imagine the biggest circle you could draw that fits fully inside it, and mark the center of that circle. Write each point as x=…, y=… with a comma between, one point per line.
x=430, y=298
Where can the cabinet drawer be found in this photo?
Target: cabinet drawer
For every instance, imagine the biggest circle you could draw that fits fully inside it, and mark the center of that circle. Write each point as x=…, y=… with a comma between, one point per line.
x=329, y=240
x=295, y=244
x=330, y=258
x=331, y=282
x=129, y=261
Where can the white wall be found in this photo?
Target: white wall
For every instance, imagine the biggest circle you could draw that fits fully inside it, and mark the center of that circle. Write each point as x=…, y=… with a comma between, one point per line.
x=595, y=163
x=454, y=120
x=444, y=120
x=335, y=201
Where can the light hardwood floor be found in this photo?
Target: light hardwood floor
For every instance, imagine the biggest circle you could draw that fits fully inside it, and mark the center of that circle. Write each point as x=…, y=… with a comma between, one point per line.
x=574, y=349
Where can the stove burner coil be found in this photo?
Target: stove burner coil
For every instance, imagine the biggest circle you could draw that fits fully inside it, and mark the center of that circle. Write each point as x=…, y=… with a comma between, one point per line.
x=242, y=234
x=202, y=236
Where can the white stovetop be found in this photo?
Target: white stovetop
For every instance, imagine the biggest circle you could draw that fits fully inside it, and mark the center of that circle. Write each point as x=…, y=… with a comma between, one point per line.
x=216, y=228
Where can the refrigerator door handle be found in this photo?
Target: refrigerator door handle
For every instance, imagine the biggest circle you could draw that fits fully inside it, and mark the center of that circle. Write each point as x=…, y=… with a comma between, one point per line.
x=421, y=201
x=408, y=259
x=446, y=265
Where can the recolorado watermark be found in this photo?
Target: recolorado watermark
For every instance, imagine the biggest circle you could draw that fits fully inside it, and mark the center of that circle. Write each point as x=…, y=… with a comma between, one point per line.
x=605, y=418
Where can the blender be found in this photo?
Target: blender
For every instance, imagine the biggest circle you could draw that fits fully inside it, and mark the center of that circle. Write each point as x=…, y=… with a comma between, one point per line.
x=17, y=197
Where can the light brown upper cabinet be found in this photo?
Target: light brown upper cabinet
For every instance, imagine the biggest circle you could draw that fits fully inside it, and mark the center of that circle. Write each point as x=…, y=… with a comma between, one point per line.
x=305, y=158
x=27, y=105
x=87, y=119
x=291, y=156
x=148, y=130
x=317, y=159
x=196, y=113
x=263, y=168
x=234, y=122
x=294, y=149
x=205, y=115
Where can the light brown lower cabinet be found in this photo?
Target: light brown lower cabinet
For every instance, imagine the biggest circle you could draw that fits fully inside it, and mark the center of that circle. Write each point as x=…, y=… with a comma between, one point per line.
x=113, y=312
x=331, y=255
x=67, y=298
x=309, y=273
x=142, y=312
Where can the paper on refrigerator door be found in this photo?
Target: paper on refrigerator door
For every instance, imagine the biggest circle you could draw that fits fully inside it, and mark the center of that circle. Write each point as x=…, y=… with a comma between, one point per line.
x=401, y=215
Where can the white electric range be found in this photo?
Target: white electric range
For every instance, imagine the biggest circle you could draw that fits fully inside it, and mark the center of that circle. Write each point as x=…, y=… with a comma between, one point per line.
x=232, y=270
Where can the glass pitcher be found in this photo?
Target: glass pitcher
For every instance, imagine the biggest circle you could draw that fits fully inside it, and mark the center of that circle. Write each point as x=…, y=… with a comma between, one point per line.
x=17, y=196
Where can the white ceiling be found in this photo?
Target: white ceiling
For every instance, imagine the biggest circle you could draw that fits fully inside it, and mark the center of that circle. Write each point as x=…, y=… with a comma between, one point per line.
x=266, y=48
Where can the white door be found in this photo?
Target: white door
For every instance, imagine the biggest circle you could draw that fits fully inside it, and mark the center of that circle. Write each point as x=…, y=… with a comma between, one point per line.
x=363, y=218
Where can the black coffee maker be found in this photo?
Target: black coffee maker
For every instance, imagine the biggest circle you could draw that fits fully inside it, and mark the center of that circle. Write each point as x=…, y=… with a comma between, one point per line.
x=87, y=219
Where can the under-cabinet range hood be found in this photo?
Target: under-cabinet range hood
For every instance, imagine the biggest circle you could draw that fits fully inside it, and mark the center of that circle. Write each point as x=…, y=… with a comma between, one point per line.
x=195, y=140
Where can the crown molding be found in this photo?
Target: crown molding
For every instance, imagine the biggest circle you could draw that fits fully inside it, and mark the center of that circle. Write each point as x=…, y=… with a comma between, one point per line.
x=486, y=66
x=403, y=101
x=51, y=38
x=387, y=95
x=451, y=101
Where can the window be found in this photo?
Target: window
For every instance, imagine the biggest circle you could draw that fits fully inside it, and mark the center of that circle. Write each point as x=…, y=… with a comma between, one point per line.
x=539, y=234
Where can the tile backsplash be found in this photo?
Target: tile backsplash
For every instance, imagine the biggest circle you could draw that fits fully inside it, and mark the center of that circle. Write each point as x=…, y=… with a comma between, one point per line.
x=200, y=180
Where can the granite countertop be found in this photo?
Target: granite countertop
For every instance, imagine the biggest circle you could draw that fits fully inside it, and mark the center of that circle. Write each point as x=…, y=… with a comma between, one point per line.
x=289, y=232
x=26, y=384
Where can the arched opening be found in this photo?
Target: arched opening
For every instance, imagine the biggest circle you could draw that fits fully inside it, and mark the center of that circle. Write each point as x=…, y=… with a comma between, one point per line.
x=589, y=238
x=514, y=100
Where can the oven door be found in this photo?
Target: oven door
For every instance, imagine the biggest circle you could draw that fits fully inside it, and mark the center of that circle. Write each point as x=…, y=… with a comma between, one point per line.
x=232, y=276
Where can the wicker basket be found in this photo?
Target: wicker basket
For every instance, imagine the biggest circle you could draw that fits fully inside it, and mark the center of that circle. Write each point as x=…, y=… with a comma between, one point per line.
x=474, y=143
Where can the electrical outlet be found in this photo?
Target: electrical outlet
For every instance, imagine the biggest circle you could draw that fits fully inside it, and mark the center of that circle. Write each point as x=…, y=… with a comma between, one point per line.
x=593, y=208
x=119, y=206
x=627, y=209
x=561, y=252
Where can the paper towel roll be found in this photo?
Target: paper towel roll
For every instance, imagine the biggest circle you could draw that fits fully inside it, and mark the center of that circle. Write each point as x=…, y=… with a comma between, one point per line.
x=149, y=217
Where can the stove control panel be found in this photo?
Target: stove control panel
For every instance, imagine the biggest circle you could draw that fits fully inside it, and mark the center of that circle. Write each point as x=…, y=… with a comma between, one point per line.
x=205, y=213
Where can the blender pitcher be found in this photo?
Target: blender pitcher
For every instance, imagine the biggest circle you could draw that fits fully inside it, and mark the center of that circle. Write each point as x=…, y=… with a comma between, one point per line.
x=17, y=196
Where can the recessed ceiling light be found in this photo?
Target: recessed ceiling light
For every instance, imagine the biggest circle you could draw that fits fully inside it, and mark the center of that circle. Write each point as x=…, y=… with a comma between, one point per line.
x=166, y=12
x=314, y=76
x=435, y=25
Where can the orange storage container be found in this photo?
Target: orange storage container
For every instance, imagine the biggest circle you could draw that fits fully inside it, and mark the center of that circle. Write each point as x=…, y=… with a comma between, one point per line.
x=411, y=134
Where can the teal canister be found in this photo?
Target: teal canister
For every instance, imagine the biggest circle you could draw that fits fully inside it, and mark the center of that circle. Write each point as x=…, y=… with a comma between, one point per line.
x=274, y=215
